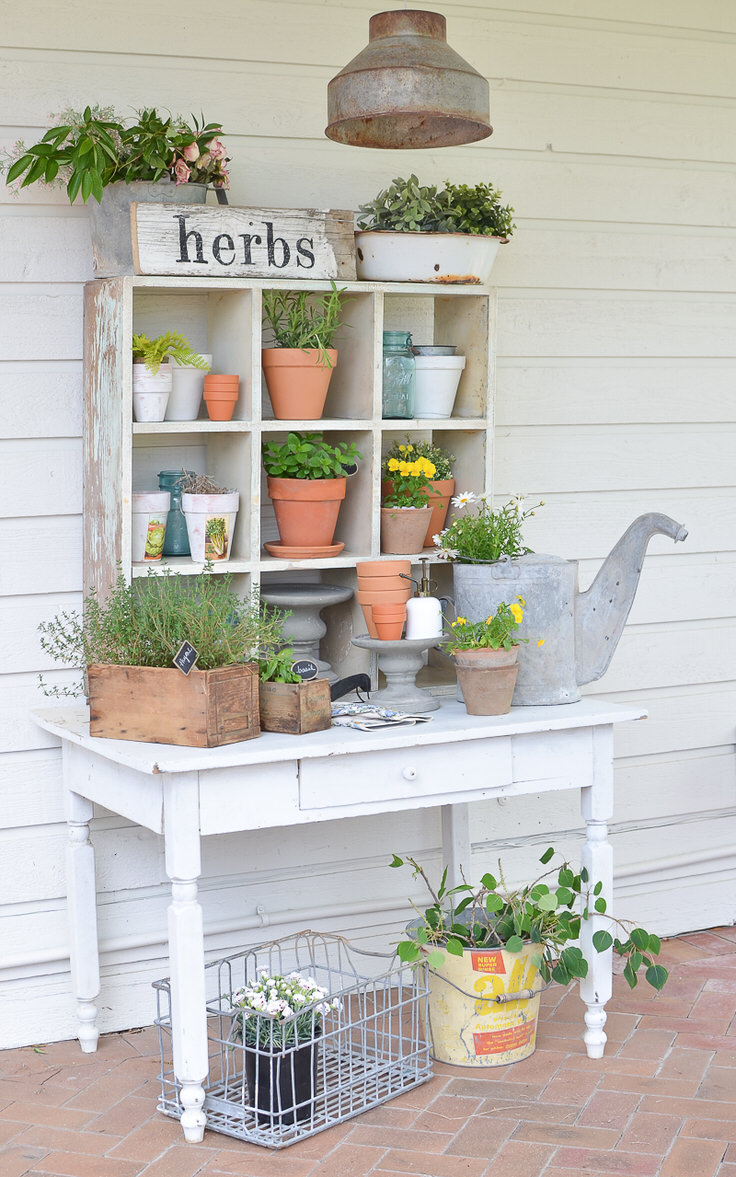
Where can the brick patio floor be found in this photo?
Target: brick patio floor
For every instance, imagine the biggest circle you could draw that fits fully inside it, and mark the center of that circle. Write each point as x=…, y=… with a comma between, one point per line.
x=661, y=1101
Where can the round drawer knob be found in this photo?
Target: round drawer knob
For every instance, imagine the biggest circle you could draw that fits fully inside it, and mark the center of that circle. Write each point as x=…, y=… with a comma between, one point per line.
x=409, y=774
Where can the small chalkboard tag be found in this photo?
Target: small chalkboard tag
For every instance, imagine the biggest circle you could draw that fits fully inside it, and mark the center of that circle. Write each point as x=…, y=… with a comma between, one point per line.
x=305, y=668
x=185, y=657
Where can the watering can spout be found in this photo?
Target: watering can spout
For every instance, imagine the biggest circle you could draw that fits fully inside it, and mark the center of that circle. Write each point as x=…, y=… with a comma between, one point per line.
x=601, y=612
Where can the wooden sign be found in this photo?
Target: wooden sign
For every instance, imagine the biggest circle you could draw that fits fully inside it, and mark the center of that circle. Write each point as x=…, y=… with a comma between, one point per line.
x=220, y=241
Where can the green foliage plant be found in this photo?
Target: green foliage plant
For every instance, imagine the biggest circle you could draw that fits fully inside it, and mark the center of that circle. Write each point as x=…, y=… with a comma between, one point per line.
x=411, y=449
x=497, y=632
x=486, y=535
x=275, y=666
x=548, y=913
x=279, y=1012
x=406, y=206
x=308, y=455
x=87, y=150
x=172, y=344
x=303, y=320
x=144, y=624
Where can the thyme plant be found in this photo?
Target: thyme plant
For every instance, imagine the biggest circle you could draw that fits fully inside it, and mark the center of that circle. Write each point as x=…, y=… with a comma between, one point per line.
x=303, y=320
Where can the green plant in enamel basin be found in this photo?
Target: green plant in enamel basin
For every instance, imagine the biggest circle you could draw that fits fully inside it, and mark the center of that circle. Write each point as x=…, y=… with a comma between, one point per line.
x=153, y=352
x=406, y=206
x=485, y=535
x=145, y=623
x=308, y=455
x=304, y=320
x=548, y=912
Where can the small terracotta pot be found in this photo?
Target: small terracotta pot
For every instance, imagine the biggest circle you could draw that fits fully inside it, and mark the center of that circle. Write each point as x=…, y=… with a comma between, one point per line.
x=403, y=529
x=216, y=380
x=297, y=384
x=380, y=584
x=220, y=404
x=487, y=679
x=440, y=504
x=306, y=509
x=389, y=621
x=382, y=567
x=395, y=596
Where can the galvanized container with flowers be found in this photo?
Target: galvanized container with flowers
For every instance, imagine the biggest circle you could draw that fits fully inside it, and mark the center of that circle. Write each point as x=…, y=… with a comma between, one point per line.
x=278, y=1020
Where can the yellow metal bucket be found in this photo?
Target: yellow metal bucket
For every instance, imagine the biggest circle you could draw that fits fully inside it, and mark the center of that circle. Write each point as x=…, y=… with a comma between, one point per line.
x=468, y=1025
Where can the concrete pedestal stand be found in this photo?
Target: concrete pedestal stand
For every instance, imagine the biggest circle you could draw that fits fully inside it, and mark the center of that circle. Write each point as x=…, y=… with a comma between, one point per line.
x=400, y=662
x=305, y=628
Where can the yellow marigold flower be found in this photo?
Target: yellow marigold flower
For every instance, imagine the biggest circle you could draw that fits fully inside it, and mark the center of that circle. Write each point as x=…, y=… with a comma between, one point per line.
x=518, y=613
x=393, y=463
x=521, y=600
x=402, y=448
x=489, y=619
x=410, y=449
x=460, y=621
x=540, y=642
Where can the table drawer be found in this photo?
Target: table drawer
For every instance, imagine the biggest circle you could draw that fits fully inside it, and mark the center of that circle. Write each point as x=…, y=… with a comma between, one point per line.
x=444, y=771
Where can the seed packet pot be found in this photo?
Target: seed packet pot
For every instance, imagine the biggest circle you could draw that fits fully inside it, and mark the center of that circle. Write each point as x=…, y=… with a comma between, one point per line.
x=150, y=511
x=210, y=524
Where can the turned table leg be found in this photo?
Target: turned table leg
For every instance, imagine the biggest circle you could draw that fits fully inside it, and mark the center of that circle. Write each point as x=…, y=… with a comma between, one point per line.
x=597, y=858
x=186, y=950
x=82, y=907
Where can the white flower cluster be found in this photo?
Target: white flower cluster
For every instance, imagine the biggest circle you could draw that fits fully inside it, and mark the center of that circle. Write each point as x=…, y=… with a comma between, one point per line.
x=281, y=997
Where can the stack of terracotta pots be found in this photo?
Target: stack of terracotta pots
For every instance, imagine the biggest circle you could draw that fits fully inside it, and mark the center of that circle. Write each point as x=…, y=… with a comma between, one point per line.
x=220, y=394
x=379, y=584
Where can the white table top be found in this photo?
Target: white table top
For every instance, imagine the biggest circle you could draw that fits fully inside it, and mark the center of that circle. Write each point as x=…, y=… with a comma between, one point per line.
x=450, y=723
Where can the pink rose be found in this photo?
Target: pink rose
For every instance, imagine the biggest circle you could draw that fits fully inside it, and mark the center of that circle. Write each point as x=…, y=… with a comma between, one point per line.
x=181, y=171
x=191, y=152
x=203, y=160
x=216, y=149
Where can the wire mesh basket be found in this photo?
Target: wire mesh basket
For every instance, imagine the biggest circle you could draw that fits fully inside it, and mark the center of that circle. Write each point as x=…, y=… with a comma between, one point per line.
x=276, y=1082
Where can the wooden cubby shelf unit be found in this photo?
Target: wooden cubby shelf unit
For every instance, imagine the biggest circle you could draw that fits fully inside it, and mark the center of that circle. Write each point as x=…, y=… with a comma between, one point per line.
x=223, y=317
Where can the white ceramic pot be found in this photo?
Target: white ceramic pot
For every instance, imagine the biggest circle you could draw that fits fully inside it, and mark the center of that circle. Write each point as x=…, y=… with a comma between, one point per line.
x=435, y=385
x=210, y=524
x=150, y=510
x=457, y=258
x=150, y=392
x=187, y=387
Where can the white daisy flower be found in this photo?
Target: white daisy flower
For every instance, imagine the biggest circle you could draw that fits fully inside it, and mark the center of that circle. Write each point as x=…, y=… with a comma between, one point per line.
x=463, y=499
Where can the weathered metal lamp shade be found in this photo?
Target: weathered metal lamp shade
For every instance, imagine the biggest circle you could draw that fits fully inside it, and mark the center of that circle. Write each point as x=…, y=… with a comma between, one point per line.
x=407, y=88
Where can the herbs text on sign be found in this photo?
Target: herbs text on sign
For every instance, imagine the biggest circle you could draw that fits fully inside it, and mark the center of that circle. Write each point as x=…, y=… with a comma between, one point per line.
x=228, y=241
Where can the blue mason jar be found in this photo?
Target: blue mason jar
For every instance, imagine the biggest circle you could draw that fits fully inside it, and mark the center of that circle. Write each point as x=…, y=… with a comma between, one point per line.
x=176, y=540
x=398, y=375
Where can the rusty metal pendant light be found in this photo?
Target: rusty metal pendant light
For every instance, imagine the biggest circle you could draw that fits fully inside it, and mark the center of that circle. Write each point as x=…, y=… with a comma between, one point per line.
x=407, y=88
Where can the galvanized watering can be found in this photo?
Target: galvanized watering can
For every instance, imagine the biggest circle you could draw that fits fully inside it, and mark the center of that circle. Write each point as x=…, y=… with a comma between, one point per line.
x=580, y=630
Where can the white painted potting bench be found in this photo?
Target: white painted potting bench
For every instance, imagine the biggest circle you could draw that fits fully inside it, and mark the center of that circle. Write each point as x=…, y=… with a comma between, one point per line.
x=185, y=794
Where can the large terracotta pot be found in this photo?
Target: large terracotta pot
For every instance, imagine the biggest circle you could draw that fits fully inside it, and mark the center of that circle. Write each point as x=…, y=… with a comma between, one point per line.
x=306, y=509
x=403, y=529
x=439, y=502
x=487, y=679
x=297, y=383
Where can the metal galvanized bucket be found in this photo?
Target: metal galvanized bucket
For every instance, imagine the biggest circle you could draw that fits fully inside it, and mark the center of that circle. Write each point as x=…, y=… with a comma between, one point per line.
x=474, y=1020
x=112, y=251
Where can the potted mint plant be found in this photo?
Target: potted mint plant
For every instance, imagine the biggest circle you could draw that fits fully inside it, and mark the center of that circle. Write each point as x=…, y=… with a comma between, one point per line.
x=420, y=233
x=288, y=702
x=307, y=480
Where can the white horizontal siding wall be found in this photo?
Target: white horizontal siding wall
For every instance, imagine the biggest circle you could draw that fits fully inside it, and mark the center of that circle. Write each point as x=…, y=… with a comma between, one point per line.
x=614, y=141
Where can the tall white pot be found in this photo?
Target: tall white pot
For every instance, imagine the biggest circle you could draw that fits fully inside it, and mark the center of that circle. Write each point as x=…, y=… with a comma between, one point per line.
x=435, y=384
x=187, y=388
x=151, y=392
